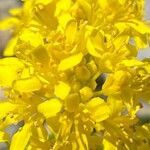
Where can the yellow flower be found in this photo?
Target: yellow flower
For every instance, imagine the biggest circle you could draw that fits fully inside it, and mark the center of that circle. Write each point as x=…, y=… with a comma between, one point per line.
x=61, y=51
x=10, y=70
x=130, y=79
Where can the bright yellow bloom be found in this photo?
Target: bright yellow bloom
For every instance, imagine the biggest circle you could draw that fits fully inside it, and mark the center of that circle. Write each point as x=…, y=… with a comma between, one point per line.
x=54, y=84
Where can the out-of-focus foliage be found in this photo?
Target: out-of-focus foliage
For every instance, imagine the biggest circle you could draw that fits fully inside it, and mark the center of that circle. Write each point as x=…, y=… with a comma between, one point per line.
x=61, y=48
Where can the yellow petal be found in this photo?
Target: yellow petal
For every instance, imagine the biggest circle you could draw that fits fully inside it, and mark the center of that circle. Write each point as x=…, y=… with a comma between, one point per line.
x=15, y=11
x=120, y=41
x=132, y=63
x=27, y=85
x=62, y=90
x=5, y=108
x=62, y=6
x=95, y=102
x=115, y=105
x=62, y=13
x=82, y=73
x=70, y=32
x=141, y=41
x=122, y=2
x=25, y=73
x=10, y=48
x=8, y=23
x=103, y=3
x=45, y=2
x=91, y=49
x=50, y=107
x=108, y=145
x=70, y=62
x=21, y=138
x=86, y=6
x=46, y=14
x=98, y=108
x=97, y=39
x=3, y=137
x=11, y=62
x=35, y=39
x=139, y=26
x=64, y=20
x=86, y=93
x=10, y=69
x=115, y=83
x=9, y=119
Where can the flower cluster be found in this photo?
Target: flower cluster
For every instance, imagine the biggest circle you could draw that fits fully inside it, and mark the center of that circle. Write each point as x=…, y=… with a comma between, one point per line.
x=71, y=77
